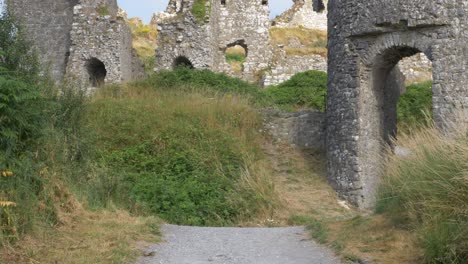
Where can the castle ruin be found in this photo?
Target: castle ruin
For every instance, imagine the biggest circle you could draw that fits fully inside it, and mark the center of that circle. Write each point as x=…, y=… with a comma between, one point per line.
x=366, y=40
x=84, y=39
x=202, y=42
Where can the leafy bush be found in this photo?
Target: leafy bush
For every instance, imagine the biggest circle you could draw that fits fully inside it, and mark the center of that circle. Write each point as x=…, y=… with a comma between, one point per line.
x=415, y=106
x=36, y=131
x=427, y=192
x=307, y=89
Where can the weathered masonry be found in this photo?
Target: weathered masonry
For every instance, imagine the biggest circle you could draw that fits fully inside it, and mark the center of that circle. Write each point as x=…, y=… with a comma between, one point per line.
x=366, y=40
x=84, y=39
x=201, y=41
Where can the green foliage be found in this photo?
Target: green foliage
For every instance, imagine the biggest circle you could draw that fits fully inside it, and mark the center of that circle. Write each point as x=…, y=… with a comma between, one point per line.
x=199, y=10
x=415, y=106
x=307, y=89
x=235, y=57
x=186, y=79
x=427, y=192
x=36, y=131
x=176, y=154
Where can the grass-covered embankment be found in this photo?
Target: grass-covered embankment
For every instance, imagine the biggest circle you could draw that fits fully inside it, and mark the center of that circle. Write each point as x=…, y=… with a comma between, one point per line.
x=190, y=157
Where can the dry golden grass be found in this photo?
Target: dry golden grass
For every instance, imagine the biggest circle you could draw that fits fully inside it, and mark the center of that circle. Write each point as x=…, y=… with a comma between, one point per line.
x=299, y=178
x=311, y=41
x=86, y=237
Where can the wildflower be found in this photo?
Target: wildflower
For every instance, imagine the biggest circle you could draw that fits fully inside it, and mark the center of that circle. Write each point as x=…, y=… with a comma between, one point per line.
x=7, y=204
x=7, y=173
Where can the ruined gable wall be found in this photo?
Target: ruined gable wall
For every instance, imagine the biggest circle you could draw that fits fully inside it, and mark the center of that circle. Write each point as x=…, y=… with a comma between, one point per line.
x=246, y=22
x=366, y=38
x=180, y=35
x=99, y=32
x=48, y=23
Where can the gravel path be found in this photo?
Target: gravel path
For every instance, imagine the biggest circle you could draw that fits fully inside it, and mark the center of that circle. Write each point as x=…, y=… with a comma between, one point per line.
x=202, y=245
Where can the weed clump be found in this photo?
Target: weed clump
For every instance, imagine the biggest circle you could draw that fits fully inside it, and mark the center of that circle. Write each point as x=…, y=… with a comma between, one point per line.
x=427, y=192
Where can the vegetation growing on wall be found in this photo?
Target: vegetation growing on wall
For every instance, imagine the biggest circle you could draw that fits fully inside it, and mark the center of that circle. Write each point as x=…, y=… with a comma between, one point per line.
x=199, y=10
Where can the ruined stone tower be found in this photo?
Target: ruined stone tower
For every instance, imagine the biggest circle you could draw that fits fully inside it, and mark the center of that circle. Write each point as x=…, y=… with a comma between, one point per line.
x=366, y=40
x=185, y=38
x=84, y=39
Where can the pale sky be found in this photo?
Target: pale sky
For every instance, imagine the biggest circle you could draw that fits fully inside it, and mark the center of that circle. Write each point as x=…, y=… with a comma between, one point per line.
x=146, y=8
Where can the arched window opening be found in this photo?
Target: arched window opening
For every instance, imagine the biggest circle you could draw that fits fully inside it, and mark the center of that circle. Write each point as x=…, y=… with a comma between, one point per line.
x=236, y=55
x=223, y=2
x=182, y=61
x=96, y=71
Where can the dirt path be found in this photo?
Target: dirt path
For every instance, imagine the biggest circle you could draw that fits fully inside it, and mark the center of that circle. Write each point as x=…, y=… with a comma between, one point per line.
x=199, y=245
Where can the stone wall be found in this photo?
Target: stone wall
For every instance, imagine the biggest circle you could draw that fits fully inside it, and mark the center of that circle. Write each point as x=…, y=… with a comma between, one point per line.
x=287, y=66
x=68, y=33
x=304, y=129
x=98, y=33
x=417, y=68
x=366, y=40
x=48, y=23
x=303, y=14
x=204, y=43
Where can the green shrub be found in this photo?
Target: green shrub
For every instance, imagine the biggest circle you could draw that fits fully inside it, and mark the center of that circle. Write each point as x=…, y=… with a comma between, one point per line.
x=199, y=10
x=184, y=79
x=307, y=89
x=415, y=106
x=427, y=192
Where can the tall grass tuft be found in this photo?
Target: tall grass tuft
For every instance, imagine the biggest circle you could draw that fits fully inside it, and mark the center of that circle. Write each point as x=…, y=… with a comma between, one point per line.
x=427, y=192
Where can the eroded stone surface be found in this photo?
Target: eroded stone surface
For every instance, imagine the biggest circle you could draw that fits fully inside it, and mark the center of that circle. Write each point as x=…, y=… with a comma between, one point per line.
x=366, y=40
x=84, y=39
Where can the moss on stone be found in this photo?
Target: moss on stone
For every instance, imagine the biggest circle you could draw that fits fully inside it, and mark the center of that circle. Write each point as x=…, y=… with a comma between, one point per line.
x=103, y=10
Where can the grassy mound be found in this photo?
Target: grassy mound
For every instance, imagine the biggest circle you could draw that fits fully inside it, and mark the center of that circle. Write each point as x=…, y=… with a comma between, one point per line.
x=303, y=90
x=427, y=192
x=184, y=156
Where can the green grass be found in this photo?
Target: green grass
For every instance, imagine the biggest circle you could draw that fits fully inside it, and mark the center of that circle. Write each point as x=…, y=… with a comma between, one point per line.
x=415, y=106
x=427, y=193
x=303, y=90
x=181, y=155
x=235, y=58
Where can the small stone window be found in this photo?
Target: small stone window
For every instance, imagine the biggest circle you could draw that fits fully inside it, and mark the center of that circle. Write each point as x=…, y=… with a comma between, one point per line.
x=223, y=2
x=96, y=71
x=264, y=2
x=183, y=61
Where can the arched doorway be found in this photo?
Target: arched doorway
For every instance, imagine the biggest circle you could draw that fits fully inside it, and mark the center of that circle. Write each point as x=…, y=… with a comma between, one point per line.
x=182, y=61
x=236, y=56
x=96, y=72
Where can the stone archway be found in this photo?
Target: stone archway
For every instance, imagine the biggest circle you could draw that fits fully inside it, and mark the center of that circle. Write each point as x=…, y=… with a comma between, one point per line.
x=365, y=43
x=236, y=55
x=96, y=72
